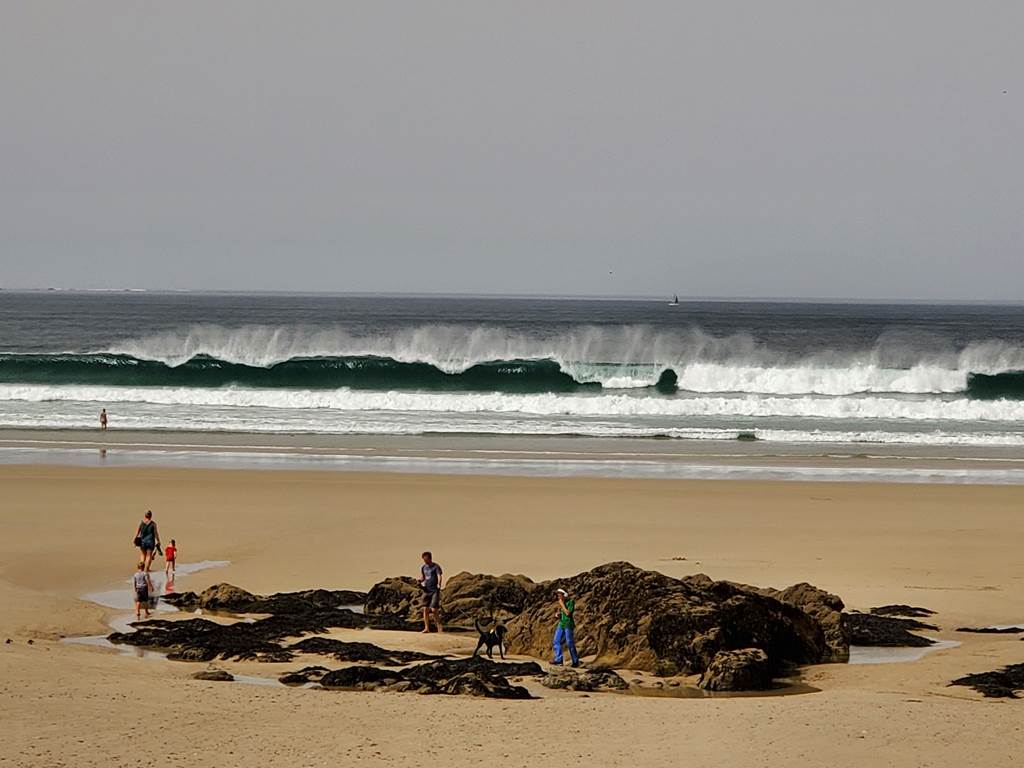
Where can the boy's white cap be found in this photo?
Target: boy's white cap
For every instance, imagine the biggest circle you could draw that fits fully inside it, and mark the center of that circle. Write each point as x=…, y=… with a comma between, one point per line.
x=562, y=591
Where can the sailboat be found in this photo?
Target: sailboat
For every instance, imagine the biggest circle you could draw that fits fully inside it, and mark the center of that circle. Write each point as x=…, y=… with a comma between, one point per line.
x=674, y=302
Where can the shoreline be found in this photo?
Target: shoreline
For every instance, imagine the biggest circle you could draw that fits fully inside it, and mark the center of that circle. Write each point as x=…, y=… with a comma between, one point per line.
x=640, y=458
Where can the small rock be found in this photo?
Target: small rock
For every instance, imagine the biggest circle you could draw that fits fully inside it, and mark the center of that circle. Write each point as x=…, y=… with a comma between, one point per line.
x=584, y=680
x=303, y=676
x=215, y=675
x=744, y=670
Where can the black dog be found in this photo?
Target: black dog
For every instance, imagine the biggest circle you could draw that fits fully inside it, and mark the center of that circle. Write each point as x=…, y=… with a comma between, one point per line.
x=491, y=638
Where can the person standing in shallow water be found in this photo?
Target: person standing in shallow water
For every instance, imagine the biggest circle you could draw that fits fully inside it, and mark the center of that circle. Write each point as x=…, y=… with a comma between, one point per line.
x=103, y=419
x=143, y=586
x=147, y=539
x=565, y=632
x=430, y=582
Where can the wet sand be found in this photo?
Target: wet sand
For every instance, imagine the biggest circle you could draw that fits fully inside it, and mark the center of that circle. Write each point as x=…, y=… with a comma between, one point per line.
x=35, y=446
x=67, y=531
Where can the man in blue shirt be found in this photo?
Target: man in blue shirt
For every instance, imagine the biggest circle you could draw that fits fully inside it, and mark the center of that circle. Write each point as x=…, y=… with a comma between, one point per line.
x=430, y=582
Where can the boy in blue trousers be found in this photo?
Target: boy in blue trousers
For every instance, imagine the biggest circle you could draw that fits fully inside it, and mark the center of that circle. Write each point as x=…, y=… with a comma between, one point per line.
x=566, y=630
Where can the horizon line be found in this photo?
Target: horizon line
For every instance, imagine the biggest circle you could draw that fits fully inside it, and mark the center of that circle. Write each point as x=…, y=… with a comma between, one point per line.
x=520, y=296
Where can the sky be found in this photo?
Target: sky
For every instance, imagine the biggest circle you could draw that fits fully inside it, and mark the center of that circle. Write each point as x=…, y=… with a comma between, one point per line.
x=804, y=149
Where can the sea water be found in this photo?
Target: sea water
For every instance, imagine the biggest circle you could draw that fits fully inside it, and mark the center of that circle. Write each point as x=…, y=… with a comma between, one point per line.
x=939, y=375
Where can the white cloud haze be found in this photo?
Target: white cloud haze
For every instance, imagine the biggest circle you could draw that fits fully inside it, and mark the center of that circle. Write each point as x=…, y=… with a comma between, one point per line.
x=741, y=149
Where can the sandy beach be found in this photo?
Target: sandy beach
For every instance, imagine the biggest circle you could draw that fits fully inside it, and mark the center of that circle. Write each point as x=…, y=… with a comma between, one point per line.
x=67, y=532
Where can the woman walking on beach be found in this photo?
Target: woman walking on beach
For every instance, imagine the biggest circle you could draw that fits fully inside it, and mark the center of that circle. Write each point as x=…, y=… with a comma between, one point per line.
x=147, y=539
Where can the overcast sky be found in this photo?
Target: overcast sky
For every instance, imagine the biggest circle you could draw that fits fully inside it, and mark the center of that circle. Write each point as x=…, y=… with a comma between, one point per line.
x=820, y=148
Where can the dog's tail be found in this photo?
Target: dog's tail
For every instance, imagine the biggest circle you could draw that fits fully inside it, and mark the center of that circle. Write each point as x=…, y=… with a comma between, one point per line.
x=476, y=623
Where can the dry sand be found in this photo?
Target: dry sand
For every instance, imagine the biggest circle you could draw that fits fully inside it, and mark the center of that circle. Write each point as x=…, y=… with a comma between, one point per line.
x=66, y=531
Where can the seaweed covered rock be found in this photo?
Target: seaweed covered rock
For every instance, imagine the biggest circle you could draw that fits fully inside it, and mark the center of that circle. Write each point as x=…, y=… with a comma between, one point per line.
x=465, y=677
x=466, y=597
x=231, y=599
x=910, y=611
x=447, y=668
x=992, y=630
x=360, y=678
x=637, y=619
x=303, y=676
x=886, y=631
x=343, y=651
x=744, y=670
x=205, y=640
x=477, y=684
x=1005, y=683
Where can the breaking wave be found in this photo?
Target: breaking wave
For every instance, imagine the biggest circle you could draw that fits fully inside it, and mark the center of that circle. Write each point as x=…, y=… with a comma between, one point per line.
x=513, y=376
x=610, y=405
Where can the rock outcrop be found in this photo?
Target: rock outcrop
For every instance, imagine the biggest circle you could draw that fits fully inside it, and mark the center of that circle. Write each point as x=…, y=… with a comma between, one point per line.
x=398, y=596
x=743, y=670
x=626, y=617
x=637, y=619
x=466, y=597
x=826, y=609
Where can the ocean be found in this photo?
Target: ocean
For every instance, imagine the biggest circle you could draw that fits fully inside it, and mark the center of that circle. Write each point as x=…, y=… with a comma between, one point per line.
x=788, y=372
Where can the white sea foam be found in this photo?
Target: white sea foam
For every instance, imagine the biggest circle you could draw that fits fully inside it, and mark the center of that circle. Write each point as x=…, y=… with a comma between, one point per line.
x=930, y=409
x=619, y=357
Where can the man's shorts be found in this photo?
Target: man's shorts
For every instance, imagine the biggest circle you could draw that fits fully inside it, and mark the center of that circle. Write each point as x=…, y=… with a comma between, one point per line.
x=431, y=598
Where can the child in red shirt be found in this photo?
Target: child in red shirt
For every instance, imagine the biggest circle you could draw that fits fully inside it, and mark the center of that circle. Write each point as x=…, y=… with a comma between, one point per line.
x=170, y=555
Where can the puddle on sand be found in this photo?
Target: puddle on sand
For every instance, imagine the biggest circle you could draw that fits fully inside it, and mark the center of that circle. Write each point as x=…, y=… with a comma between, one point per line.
x=861, y=654
x=124, y=598
x=254, y=680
